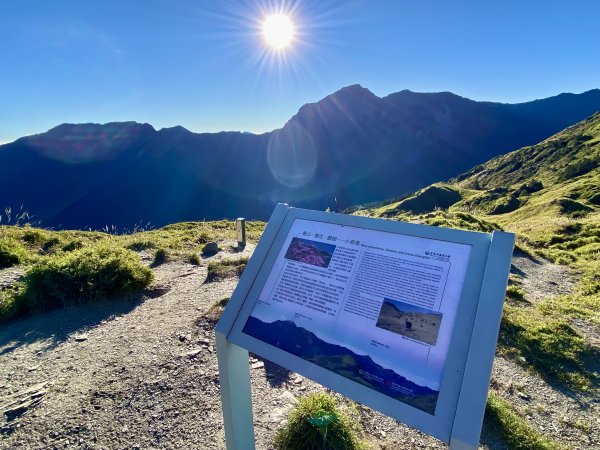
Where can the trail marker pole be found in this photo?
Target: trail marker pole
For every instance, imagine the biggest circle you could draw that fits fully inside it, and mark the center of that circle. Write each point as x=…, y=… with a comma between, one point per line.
x=240, y=225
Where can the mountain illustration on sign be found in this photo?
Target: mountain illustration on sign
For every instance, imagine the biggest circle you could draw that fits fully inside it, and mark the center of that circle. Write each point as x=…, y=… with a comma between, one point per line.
x=288, y=336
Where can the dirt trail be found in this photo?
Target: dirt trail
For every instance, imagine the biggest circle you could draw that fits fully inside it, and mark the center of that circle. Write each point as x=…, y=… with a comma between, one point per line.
x=142, y=373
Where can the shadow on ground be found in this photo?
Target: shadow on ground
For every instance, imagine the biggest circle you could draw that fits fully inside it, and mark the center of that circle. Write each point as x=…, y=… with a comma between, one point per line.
x=276, y=375
x=55, y=327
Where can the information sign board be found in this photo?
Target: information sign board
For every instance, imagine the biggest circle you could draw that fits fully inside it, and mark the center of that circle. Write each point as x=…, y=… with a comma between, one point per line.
x=381, y=311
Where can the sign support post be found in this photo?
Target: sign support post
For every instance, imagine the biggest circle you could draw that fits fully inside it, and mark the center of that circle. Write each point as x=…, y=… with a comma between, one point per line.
x=236, y=394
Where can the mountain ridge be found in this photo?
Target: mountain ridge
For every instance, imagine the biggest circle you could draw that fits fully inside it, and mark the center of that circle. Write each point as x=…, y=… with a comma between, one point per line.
x=349, y=148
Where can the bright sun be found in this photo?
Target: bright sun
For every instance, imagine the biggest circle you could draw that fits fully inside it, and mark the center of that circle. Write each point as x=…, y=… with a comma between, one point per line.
x=278, y=31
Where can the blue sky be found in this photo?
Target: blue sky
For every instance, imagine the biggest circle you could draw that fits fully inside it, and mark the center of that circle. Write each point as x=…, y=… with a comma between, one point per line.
x=204, y=64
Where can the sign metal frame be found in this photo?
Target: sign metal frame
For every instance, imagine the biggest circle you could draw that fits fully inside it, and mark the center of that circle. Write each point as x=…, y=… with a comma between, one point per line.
x=463, y=392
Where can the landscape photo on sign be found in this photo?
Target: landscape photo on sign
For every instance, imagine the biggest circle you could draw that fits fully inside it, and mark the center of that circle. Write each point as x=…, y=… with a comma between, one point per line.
x=409, y=320
x=310, y=252
x=335, y=306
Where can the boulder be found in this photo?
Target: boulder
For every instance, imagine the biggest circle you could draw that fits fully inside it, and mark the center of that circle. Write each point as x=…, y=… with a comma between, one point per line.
x=210, y=249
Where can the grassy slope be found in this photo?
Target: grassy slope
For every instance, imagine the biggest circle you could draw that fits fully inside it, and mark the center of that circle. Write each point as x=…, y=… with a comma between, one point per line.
x=548, y=194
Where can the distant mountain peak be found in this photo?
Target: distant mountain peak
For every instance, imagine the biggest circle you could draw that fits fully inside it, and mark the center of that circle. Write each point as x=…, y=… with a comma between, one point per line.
x=348, y=101
x=406, y=95
x=176, y=129
x=99, y=126
x=89, y=142
x=353, y=89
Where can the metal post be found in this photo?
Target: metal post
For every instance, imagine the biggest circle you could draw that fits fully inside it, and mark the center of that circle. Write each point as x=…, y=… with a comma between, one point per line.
x=241, y=231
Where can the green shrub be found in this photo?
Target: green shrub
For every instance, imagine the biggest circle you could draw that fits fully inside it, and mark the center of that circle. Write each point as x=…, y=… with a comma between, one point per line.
x=140, y=245
x=82, y=276
x=8, y=303
x=11, y=253
x=72, y=245
x=34, y=236
x=317, y=423
x=505, y=205
x=572, y=208
x=51, y=244
x=579, y=167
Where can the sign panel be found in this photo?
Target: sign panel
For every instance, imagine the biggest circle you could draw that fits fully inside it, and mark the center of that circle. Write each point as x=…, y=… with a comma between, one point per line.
x=400, y=317
x=375, y=307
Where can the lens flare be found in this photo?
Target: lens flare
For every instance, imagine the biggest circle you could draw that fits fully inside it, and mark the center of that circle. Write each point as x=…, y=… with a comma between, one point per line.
x=292, y=156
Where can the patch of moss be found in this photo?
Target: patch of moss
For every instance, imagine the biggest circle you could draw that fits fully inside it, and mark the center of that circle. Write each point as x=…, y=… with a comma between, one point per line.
x=515, y=293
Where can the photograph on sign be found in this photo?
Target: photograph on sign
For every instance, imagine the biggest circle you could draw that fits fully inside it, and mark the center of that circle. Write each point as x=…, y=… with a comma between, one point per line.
x=375, y=307
x=310, y=252
x=409, y=320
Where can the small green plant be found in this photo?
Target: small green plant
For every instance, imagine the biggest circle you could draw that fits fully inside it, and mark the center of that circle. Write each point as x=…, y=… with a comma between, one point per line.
x=72, y=245
x=214, y=313
x=82, y=276
x=515, y=430
x=140, y=245
x=515, y=293
x=161, y=256
x=11, y=253
x=8, y=304
x=193, y=258
x=226, y=268
x=317, y=423
x=34, y=236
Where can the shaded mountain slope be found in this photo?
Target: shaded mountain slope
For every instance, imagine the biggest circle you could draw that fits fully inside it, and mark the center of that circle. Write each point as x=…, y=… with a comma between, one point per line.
x=349, y=148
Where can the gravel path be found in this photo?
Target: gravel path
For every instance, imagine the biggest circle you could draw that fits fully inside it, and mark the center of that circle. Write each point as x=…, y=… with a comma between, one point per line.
x=142, y=373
